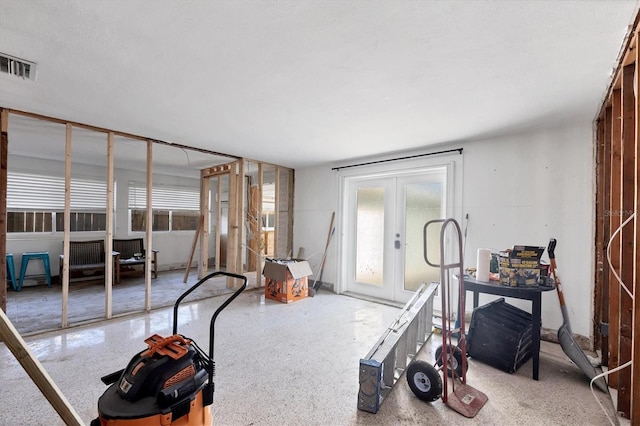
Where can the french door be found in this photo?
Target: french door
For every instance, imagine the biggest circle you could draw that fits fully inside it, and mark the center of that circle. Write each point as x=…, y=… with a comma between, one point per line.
x=384, y=220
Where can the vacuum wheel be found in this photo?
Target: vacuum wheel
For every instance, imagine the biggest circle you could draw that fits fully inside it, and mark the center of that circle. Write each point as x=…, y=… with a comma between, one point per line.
x=454, y=369
x=424, y=380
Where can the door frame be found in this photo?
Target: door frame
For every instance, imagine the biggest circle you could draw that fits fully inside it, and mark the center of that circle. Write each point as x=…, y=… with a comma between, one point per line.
x=454, y=183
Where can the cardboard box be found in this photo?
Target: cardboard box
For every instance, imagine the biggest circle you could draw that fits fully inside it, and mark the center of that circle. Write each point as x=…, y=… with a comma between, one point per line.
x=521, y=267
x=286, y=280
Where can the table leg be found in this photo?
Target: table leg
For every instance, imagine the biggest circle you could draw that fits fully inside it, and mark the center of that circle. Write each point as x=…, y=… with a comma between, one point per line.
x=535, y=331
x=476, y=299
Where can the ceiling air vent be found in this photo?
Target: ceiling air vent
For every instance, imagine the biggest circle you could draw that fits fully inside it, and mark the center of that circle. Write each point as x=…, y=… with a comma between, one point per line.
x=18, y=67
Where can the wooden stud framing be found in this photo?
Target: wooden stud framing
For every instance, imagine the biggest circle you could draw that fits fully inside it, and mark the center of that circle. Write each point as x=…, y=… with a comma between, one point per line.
x=619, y=133
x=108, y=272
x=599, y=229
x=614, y=222
x=262, y=244
x=4, y=148
x=205, y=185
x=117, y=133
x=606, y=227
x=216, y=171
x=276, y=203
x=635, y=368
x=67, y=226
x=254, y=244
x=149, y=230
x=627, y=175
x=290, y=209
x=240, y=208
x=232, y=232
x=219, y=222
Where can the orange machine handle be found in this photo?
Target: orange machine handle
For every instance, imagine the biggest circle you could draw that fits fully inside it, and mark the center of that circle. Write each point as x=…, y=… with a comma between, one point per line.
x=173, y=346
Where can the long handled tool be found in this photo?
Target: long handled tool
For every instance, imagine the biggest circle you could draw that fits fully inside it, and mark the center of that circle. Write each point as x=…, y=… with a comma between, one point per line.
x=565, y=336
x=318, y=281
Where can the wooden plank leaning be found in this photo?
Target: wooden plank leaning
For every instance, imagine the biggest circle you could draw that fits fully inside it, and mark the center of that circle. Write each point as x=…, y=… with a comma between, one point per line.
x=36, y=371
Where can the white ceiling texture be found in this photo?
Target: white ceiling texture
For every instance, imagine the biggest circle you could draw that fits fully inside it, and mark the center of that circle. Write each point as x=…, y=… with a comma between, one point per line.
x=302, y=83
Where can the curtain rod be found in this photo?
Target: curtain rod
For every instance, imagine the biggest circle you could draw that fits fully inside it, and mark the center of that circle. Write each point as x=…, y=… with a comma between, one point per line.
x=459, y=150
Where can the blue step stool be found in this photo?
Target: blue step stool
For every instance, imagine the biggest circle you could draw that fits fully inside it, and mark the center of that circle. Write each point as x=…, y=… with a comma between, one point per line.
x=44, y=255
x=11, y=270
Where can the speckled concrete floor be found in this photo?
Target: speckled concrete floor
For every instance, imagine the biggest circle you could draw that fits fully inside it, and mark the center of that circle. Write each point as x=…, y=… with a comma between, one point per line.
x=295, y=364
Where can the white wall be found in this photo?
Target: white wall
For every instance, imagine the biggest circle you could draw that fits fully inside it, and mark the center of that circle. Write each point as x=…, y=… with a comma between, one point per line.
x=519, y=189
x=174, y=247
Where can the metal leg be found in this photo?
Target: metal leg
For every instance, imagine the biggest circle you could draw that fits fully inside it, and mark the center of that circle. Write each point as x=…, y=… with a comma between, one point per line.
x=535, y=332
x=11, y=270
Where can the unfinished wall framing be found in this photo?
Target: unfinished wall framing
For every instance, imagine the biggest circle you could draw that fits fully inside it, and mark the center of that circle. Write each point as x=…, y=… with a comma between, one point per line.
x=235, y=174
x=617, y=252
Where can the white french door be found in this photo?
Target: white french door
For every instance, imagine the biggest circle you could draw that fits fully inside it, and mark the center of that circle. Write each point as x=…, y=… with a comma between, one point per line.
x=384, y=220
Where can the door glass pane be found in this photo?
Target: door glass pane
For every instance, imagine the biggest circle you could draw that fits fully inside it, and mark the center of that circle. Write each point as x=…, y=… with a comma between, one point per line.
x=423, y=203
x=369, y=235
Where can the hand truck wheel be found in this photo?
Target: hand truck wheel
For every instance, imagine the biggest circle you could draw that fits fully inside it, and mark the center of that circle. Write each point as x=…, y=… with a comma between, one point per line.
x=424, y=380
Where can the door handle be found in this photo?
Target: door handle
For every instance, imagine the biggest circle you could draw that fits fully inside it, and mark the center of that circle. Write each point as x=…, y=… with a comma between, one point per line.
x=397, y=244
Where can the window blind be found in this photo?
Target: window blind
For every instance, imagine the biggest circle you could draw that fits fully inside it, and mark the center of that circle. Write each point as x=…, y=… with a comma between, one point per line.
x=30, y=191
x=164, y=197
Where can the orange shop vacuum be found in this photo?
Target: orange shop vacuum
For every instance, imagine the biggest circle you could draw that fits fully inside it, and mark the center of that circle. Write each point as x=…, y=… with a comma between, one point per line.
x=169, y=383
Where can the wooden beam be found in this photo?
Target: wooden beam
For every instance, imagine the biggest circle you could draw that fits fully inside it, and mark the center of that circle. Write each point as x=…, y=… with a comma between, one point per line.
x=627, y=192
x=219, y=222
x=253, y=258
x=36, y=371
x=599, y=239
x=635, y=368
x=262, y=242
x=108, y=272
x=67, y=226
x=216, y=171
x=290, y=188
x=232, y=233
x=614, y=248
x=276, y=226
x=4, y=163
x=117, y=133
x=240, y=200
x=606, y=228
x=149, y=230
x=205, y=190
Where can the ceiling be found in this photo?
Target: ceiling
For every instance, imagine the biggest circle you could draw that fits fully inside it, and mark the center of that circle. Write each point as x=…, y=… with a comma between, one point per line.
x=303, y=83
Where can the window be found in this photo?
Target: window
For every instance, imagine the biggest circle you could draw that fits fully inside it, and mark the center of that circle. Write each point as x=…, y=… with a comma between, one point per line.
x=175, y=208
x=35, y=203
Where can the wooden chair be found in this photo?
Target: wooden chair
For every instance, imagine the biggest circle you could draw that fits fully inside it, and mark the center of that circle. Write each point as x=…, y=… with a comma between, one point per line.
x=132, y=253
x=85, y=256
